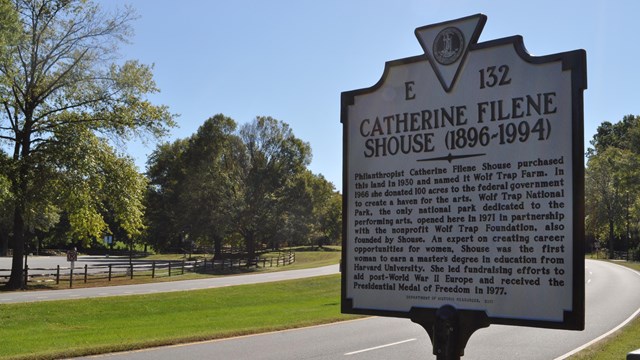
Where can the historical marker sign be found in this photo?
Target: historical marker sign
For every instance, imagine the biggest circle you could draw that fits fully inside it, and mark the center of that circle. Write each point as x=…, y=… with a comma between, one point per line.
x=463, y=182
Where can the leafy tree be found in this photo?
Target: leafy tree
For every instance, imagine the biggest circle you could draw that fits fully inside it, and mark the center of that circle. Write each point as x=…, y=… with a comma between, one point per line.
x=9, y=33
x=612, y=195
x=295, y=220
x=9, y=25
x=324, y=217
x=210, y=190
x=612, y=187
x=327, y=212
x=274, y=158
x=623, y=135
x=166, y=172
x=221, y=184
x=193, y=186
x=60, y=91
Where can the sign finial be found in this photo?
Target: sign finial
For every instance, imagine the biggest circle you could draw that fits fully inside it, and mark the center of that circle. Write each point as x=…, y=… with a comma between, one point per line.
x=446, y=45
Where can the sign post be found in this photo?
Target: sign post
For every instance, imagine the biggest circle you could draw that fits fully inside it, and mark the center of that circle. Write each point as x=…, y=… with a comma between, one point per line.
x=463, y=187
x=72, y=257
x=108, y=239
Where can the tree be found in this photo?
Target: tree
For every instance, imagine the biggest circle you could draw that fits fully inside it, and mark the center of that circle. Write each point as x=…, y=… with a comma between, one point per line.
x=612, y=188
x=623, y=135
x=611, y=181
x=193, y=186
x=221, y=183
x=327, y=212
x=9, y=25
x=274, y=158
x=62, y=92
x=319, y=209
x=166, y=172
x=294, y=217
x=9, y=33
x=210, y=191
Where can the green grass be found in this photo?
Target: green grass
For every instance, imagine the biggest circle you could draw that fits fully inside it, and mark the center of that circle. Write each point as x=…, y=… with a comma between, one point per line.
x=620, y=343
x=49, y=330
x=632, y=265
x=614, y=347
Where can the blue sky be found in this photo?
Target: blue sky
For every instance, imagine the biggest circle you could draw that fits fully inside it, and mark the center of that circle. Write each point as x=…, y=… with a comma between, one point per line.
x=292, y=59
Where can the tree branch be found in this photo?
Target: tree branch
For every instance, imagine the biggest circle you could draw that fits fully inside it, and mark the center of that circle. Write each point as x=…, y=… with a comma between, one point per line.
x=5, y=137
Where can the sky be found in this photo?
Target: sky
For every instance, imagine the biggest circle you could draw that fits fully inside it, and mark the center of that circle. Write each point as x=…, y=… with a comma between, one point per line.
x=291, y=59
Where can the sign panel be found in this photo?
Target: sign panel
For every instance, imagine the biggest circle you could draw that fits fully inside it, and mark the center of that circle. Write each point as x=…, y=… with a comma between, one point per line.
x=463, y=182
x=72, y=255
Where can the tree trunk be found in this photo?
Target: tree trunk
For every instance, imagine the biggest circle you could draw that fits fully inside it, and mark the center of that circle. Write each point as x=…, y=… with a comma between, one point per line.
x=251, y=245
x=611, y=237
x=130, y=253
x=20, y=187
x=16, y=281
x=4, y=242
x=217, y=247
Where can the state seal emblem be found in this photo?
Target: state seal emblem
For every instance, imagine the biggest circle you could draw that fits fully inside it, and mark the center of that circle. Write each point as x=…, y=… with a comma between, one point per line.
x=448, y=46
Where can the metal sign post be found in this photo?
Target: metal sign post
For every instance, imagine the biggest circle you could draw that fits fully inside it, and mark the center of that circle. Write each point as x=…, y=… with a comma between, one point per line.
x=108, y=239
x=463, y=187
x=449, y=328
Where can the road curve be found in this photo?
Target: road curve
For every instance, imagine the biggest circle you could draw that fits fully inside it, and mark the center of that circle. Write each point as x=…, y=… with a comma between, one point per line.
x=611, y=295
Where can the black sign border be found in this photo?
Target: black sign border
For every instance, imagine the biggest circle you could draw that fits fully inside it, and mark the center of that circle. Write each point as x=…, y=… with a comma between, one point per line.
x=576, y=62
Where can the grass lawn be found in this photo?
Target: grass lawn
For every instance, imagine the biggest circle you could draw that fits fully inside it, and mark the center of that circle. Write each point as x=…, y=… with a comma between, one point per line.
x=618, y=345
x=49, y=330
x=614, y=347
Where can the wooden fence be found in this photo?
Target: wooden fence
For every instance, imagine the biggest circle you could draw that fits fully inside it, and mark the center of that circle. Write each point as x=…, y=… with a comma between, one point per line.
x=151, y=269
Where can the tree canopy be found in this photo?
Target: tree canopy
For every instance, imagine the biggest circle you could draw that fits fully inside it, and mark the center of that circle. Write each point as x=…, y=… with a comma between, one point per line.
x=612, y=184
x=9, y=25
x=67, y=101
x=246, y=186
x=63, y=93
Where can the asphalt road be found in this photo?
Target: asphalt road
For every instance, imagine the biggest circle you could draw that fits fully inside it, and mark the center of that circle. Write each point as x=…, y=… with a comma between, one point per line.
x=183, y=285
x=611, y=295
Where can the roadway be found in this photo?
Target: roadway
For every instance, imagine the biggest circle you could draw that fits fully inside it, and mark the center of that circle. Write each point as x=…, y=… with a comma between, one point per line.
x=95, y=263
x=611, y=295
x=140, y=289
